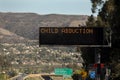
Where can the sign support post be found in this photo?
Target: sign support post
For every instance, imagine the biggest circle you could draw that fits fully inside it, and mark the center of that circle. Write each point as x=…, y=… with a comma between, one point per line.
x=98, y=61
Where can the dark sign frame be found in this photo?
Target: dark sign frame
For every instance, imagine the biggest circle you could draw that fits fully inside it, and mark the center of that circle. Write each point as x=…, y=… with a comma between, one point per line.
x=72, y=36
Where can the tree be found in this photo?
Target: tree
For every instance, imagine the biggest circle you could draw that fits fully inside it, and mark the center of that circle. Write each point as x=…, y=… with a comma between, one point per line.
x=77, y=75
x=88, y=55
x=91, y=21
x=109, y=16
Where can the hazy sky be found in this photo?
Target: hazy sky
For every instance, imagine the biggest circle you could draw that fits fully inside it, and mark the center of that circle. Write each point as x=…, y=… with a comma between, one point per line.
x=47, y=6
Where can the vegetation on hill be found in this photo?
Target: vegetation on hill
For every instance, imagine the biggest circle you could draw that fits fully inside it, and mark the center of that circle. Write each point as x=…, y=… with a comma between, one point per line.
x=19, y=49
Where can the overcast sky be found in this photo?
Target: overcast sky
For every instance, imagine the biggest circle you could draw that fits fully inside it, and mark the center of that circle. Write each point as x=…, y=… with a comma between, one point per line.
x=79, y=7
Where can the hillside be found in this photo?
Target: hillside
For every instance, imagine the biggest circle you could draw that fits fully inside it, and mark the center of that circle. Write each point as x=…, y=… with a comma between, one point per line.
x=9, y=37
x=27, y=24
x=19, y=42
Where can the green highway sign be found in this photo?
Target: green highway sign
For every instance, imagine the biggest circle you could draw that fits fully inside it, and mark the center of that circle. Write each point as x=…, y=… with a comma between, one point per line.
x=63, y=71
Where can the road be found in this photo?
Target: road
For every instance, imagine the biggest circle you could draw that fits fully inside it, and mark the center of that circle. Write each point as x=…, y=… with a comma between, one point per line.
x=19, y=77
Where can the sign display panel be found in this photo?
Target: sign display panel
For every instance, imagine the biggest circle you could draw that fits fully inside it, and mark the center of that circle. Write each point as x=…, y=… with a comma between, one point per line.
x=91, y=36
